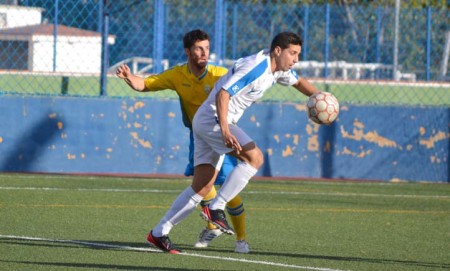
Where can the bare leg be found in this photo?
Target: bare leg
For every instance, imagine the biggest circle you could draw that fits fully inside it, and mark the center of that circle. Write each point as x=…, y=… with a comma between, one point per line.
x=238, y=178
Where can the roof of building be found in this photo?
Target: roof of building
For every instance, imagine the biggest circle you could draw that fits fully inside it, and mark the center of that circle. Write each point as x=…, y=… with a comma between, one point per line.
x=47, y=30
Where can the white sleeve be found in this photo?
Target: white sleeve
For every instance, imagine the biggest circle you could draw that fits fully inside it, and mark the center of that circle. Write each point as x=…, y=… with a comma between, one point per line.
x=241, y=77
x=287, y=78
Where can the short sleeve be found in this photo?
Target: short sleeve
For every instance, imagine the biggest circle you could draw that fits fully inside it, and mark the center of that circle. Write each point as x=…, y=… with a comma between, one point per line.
x=287, y=78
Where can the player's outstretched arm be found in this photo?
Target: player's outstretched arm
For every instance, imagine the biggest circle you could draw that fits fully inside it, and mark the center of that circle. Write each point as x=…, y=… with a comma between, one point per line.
x=305, y=87
x=135, y=82
x=222, y=100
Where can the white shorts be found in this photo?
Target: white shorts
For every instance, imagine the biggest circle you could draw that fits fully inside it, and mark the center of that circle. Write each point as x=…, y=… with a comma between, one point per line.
x=208, y=144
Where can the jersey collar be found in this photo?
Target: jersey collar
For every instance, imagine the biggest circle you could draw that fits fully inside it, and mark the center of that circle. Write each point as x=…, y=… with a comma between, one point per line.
x=201, y=75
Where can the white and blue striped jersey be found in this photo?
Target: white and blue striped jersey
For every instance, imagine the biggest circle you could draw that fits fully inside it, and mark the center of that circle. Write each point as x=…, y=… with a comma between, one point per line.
x=246, y=82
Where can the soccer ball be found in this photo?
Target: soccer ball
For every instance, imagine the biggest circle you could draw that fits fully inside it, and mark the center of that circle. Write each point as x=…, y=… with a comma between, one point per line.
x=323, y=107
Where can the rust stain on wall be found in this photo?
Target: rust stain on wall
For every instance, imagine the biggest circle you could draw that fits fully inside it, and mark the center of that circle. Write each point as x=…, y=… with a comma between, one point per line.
x=147, y=116
x=139, y=104
x=269, y=151
x=253, y=119
x=327, y=147
x=277, y=138
x=358, y=124
x=287, y=151
x=435, y=159
x=296, y=139
x=52, y=116
x=145, y=144
x=422, y=131
x=60, y=125
x=300, y=107
x=71, y=156
x=361, y=154
x=171, y=115
x=373, y=137
x=429, y=143
x=124, y=116
x=142, y=142
x=313, y=143
x=1, y=139
x=137, y=125
x=311, y=129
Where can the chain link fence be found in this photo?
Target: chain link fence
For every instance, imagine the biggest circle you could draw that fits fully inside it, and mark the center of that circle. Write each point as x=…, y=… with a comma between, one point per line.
x=365, y=53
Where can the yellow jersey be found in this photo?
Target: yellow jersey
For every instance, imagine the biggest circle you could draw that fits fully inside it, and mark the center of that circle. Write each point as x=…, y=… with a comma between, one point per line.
x=191, y=89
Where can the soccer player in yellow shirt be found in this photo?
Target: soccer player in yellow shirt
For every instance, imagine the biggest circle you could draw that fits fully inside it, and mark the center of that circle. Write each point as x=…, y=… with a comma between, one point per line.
x=193, y=81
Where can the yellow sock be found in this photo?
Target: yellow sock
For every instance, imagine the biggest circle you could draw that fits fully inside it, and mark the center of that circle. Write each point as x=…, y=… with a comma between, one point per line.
x=206, y=201
x=235, y=209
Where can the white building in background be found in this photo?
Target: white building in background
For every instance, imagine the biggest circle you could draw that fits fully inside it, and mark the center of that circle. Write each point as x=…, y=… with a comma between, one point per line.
x=17, y=16
x=32, y=47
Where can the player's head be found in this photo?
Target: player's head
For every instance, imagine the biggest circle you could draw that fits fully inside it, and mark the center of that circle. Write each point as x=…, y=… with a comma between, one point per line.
x=196, y=47
x=285, y=48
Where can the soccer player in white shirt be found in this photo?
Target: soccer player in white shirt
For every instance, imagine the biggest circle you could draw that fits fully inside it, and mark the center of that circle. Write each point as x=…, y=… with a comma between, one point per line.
x=216, y=133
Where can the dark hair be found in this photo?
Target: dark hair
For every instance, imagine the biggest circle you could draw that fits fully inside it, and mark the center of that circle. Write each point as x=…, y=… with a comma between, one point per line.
x=284, y=39
x=192, y=36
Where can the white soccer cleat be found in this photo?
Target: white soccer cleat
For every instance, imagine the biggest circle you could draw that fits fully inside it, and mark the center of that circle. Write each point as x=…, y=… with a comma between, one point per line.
x=242, y=247
x=206, y=236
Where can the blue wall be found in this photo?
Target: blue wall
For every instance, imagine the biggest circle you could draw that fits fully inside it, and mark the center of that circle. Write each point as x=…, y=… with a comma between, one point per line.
x=146, y=136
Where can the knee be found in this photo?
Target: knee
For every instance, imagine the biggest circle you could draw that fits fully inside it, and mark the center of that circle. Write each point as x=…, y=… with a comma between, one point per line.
x=257, y=159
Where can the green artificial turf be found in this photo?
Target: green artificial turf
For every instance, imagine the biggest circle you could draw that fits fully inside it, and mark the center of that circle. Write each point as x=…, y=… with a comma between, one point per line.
x=100, y=223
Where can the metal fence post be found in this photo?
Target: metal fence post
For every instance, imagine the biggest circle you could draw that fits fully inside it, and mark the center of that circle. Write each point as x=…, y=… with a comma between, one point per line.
x=158, y=36
x=327, y=34
x=104, y=67
x=396, y=32
x=305, y=33
x=224, y=31
x=55, y=34
x=428, y=43
x=219, y=31
x=234, y=32
x=100, y=16
x=378, y=41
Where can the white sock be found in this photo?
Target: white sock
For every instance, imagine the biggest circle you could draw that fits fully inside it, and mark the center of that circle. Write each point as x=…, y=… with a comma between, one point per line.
x=233, y=185
x=183, y=205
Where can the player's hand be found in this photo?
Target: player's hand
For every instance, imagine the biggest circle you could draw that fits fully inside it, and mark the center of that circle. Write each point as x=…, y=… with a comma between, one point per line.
x=231, y=142
x=123, y=71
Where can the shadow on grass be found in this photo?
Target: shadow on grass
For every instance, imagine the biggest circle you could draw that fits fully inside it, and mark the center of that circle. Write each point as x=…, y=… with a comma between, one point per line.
x=329, y=258
x=355, y=259
x=110, y=245
x=79, y=244
x=97, y=266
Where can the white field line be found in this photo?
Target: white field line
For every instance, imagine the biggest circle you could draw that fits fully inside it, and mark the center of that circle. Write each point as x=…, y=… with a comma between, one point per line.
x=110, y=246
x=337, y=194
x=188, y=180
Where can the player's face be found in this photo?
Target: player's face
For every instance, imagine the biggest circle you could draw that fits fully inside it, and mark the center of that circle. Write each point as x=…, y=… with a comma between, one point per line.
x=198, y=54
x=286, y=58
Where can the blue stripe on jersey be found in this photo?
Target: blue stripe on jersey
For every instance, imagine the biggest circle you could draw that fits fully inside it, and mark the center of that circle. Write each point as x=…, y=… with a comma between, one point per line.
x=248, y=78
x=204, y=73
x=295, y=74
